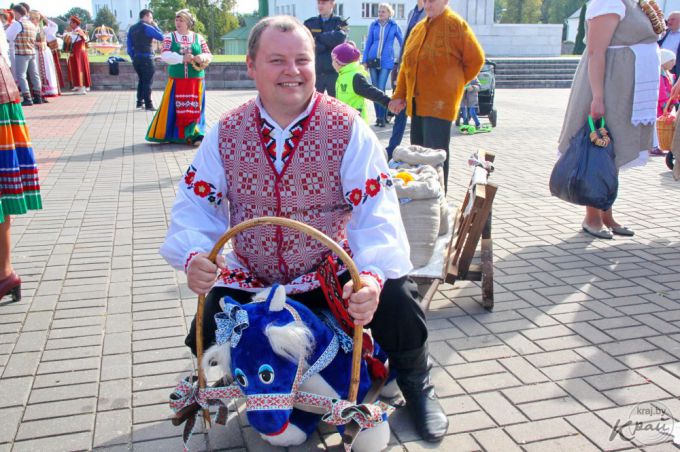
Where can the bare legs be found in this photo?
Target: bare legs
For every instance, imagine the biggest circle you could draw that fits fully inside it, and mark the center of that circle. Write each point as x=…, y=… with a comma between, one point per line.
x=5, y=262
x=596, y=218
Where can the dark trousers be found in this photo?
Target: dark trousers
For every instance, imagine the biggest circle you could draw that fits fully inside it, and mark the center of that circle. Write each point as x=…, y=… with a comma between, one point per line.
x=432, y=133
x=397, y=132
x=145, y=69
x=398, y=325
x=325, y=81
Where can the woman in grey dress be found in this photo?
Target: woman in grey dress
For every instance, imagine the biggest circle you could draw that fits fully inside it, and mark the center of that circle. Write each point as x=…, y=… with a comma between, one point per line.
x=619, y=34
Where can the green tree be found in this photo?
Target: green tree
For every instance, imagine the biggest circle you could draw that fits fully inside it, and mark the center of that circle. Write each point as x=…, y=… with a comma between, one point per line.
x=83, y=14
x=164, y=12
x=579, y=45
x=522, y=11
x=557, y=11
x=214, y=18
x=106, y=17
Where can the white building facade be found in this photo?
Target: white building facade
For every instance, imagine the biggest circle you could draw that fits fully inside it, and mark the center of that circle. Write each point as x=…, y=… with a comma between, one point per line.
x=496, y=39
x=126, y=11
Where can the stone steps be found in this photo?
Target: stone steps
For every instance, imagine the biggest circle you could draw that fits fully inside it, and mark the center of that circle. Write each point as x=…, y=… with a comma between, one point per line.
x=535, y=72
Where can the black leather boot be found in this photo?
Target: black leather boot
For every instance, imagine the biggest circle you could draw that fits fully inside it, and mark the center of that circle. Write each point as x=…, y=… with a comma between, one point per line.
x=27, y=102
x=413, y=378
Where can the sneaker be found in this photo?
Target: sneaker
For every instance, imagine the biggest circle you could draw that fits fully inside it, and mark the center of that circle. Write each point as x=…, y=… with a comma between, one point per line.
x=27, y=102
x=37, y=100
x=139, y=105
x=82, y=90
x=656, y=151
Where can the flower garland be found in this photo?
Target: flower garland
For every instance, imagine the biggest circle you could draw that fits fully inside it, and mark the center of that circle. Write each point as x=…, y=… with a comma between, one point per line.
x=654, y=14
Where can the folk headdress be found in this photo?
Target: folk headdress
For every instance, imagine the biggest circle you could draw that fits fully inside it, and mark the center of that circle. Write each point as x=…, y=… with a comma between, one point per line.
x=187, y=16
x=75, y=19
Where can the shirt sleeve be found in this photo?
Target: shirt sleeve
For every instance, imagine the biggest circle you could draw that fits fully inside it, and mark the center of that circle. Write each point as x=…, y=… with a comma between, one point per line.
x=601, y=7
x=152, y=32
x=199, y=215
x=204, y=47
x=168, y=56
x=51, y=30
x=130, y=47
x=13, y=30
x=370, y=92
x=375, y=232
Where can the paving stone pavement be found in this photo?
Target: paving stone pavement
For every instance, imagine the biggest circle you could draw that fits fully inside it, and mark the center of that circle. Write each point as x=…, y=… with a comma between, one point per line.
x=583, y=330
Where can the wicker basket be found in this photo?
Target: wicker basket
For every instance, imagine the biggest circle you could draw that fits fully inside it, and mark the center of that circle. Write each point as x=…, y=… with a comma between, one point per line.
x=665, y=128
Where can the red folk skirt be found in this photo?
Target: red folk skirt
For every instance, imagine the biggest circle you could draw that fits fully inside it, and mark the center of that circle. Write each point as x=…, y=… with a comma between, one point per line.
x=79, y=66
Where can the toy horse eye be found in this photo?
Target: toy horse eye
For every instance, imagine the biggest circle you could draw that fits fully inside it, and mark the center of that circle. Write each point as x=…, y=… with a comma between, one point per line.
x=240, y=377
x=266, y=374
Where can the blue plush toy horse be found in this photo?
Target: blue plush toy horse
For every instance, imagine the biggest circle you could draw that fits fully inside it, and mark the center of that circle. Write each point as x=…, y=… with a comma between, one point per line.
x=283, y=357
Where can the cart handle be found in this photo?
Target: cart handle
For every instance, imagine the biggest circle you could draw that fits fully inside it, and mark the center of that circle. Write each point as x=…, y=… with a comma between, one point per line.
x=314, y=233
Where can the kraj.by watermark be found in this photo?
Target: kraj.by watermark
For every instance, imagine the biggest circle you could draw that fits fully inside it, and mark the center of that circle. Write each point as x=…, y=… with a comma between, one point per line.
x=648, y=423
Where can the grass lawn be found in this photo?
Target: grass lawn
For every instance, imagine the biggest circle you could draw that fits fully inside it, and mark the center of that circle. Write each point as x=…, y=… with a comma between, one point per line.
x=215, y=58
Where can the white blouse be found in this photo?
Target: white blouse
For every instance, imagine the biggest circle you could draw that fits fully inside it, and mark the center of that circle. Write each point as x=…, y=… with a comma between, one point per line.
x=375, y=233
x=601, y=7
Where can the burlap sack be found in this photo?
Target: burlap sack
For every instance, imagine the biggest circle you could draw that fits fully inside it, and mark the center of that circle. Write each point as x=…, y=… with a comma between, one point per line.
x=413, y=156
x=419, y=203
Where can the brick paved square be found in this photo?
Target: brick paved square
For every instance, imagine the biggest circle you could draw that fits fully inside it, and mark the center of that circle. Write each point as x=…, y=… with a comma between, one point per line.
x=582, y=329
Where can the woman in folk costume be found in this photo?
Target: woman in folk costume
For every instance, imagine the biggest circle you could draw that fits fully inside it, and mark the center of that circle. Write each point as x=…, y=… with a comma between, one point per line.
x=19, y=185
x=44, y=60
x=51, y=36
x=75, y=42
x=181, y=116
x=618, y=79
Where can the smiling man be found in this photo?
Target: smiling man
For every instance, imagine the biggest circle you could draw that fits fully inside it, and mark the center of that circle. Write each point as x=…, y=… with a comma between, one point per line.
x=296, y=153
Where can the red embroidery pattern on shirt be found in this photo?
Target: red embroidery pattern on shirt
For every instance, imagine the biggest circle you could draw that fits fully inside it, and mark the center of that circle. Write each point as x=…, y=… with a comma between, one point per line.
x=289, y=144
x=186, y=263
x=240, y=277
x=371, y=188
x=375, y=276
x=202, y=188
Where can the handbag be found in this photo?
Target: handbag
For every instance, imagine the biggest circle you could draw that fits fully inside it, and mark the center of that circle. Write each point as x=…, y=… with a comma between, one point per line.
x=373, y=63
x=586, y=174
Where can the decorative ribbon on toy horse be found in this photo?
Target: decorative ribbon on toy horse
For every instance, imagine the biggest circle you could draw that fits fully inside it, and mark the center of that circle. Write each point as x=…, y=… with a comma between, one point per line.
x=357, y=284
x=231, y=323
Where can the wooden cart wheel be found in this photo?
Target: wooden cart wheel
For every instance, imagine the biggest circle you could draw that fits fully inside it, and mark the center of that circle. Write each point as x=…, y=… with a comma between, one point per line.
x=321, y=237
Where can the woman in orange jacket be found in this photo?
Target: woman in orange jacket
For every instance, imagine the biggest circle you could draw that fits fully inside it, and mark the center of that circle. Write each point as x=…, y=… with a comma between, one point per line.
x=441, y=56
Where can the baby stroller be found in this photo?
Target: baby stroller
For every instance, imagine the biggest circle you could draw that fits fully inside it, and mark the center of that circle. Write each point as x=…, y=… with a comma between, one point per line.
x=487, y=80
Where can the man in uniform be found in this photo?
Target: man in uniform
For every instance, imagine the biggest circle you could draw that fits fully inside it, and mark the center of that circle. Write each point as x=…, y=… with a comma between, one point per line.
x=329, y=31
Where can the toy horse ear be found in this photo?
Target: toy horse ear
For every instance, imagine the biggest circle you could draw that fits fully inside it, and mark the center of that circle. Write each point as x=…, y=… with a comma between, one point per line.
x=277, y=298
x=228, y=300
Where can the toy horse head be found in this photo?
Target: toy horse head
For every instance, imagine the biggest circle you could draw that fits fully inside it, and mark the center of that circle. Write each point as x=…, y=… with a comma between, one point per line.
x=266, y=346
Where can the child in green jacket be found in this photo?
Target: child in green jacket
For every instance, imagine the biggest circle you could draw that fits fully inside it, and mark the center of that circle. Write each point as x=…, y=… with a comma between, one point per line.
x=353, y=87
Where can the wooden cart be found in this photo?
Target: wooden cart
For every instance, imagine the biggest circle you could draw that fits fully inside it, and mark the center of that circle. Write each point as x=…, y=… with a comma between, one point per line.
x=471, y=222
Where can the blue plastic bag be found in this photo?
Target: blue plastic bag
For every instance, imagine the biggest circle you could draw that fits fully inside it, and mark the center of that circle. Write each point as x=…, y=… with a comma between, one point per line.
x=586, y=174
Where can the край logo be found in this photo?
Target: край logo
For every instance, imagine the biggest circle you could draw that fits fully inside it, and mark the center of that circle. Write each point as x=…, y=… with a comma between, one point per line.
x=648, y=423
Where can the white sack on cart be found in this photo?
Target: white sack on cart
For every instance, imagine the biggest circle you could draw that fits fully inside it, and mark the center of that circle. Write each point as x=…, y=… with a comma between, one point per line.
x=420, y=205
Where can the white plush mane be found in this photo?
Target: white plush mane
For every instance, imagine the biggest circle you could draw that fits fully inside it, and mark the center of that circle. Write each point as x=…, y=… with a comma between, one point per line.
x=219, y=355
x=293, y=341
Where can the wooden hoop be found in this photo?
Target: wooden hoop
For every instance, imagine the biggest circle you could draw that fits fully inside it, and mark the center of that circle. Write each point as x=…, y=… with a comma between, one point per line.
x=314, y=233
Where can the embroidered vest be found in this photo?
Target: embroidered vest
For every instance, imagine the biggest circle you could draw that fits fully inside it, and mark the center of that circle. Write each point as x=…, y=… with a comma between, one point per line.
x=183, y=70
x=308, y=189
x=24, y=43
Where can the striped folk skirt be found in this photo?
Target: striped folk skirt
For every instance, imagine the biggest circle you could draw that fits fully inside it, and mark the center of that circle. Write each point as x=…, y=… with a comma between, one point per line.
x=169, y=124
x=19, y=184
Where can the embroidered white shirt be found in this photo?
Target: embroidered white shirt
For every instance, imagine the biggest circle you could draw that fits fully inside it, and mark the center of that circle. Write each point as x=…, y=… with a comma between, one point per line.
x=375, y=233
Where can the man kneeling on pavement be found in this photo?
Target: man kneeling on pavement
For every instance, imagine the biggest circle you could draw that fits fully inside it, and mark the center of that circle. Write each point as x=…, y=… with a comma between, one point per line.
x=296, y=153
